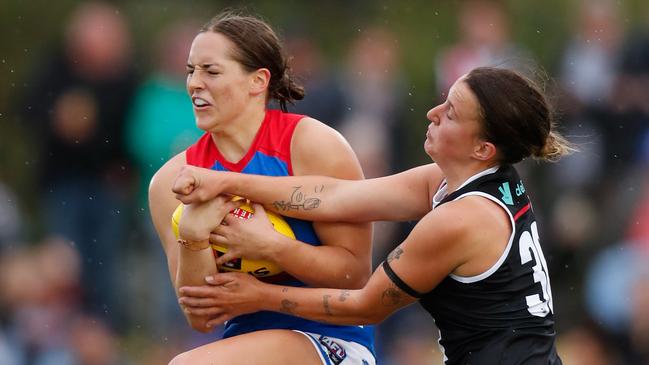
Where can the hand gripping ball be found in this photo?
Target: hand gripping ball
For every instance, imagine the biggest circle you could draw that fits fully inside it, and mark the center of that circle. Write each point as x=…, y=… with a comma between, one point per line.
x=258, y=268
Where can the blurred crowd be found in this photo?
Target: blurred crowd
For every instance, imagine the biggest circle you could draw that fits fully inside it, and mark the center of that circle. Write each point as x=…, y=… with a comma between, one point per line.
x=93, y=288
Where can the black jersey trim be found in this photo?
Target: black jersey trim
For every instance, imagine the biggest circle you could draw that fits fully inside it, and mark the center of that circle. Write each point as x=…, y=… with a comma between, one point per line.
x=400, y=283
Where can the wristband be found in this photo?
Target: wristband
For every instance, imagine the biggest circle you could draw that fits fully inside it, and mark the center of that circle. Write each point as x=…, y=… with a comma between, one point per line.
x=194, y=245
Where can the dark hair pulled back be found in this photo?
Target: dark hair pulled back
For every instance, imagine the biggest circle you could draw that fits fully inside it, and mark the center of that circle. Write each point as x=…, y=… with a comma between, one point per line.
x=257, y=46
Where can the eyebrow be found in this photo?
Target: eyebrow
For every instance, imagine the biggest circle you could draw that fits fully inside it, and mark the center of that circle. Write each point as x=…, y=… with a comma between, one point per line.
x=203, y=66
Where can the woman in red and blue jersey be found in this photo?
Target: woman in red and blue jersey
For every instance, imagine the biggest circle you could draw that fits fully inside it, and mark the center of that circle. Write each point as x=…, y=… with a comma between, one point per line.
x=235, y=67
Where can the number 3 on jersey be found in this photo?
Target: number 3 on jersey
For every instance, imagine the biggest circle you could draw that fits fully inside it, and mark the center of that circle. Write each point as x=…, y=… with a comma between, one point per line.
x=530, y=248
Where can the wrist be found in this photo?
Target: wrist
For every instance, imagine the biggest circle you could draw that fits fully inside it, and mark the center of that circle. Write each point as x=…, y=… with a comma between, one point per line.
x=194, y=245
x=276, y=248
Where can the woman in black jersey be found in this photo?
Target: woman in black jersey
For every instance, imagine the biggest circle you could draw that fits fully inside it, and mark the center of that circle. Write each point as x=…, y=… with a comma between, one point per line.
x=473, y=260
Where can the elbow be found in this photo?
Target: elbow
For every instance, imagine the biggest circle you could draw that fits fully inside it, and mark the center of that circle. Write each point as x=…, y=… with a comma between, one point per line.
x=367, y=312
x=358, y=279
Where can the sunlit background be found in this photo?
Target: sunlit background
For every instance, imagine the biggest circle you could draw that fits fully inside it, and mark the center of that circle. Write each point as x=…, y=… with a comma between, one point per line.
x=92, y=103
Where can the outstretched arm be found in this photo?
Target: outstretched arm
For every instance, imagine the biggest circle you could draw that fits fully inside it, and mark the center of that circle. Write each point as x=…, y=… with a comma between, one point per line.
x=399, y=197
x=435, y=247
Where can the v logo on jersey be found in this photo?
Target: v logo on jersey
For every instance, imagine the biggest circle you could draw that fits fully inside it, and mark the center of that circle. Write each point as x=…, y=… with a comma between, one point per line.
x=507, y=193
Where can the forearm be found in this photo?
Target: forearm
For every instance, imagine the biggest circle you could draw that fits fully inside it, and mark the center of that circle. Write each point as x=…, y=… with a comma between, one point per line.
x=316, y=198
x=321, y=266
x=193, y=267
x=335, y=306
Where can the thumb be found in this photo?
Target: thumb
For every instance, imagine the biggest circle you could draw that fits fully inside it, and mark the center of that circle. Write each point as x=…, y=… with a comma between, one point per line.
x=189, y=198
x=234, y=204
x=258, y=208
x=230, y=219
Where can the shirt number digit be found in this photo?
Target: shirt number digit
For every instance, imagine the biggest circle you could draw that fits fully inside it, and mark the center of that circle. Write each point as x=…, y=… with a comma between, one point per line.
x=529, y=247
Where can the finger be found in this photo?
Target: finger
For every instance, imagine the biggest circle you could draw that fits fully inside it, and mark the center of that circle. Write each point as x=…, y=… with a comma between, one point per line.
x=184, y=184
x=218, y=239
x=204, y=312
x=228, y=256
x=218, y=320
x=187, y=199
x=220, y=279
x=196, y=302
x=234, y=204
x=231, y=219
x=258, y=208
x=196, y=291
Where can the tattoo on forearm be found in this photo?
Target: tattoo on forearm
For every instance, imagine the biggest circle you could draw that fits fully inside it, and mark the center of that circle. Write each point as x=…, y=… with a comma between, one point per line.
x=391, y=297
x=325, y=304
x=299, y=200
x=343, y=295
x=287, y=306
x=395, y=254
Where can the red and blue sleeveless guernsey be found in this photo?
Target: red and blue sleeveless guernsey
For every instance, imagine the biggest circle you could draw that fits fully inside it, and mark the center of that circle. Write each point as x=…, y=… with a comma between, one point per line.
x=270, y=155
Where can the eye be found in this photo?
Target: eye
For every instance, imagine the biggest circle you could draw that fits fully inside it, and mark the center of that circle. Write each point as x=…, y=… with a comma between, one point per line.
x=190, y=71
x=213, y=73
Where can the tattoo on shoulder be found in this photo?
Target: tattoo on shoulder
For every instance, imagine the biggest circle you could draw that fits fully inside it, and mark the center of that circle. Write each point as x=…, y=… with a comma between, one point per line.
x=325, y=304
x=287, y=306
x=298, y=200
x=343, y=295
x=395, y=254
x=391, y=297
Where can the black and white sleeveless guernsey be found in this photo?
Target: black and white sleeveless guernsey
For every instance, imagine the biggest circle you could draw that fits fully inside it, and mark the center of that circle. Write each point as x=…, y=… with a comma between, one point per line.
x=504, y=315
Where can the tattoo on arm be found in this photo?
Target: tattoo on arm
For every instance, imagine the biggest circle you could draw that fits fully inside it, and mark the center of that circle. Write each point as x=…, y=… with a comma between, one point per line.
x=287, y=306
x=299, y=200
x=343, y=295
x=325, y=304
x=391, y=296
x=395, y=254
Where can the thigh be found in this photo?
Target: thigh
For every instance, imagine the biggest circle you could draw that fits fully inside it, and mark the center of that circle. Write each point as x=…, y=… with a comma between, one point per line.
x=261, y=347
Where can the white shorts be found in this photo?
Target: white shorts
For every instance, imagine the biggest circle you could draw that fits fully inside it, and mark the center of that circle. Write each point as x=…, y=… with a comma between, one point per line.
x=334, y=351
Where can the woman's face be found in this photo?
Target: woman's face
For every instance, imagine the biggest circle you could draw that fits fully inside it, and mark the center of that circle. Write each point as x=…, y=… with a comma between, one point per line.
x=455, y=125
x=217, y=84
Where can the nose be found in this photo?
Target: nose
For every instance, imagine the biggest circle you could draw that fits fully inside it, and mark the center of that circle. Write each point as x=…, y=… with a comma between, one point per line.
x=433, y=115
x=194, y=81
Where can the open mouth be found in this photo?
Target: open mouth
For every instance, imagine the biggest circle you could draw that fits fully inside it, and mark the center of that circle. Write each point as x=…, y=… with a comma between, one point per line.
x=200, y=103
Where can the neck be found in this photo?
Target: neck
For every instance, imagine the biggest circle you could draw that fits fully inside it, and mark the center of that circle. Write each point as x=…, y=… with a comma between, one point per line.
x=236, y=136
x=457, y=175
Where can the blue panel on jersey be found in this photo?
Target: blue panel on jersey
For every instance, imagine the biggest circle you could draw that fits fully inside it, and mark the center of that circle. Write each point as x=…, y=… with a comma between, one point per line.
x=261, y=164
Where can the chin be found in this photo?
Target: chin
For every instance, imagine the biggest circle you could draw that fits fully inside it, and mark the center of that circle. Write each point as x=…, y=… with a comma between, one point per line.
x=205, y=124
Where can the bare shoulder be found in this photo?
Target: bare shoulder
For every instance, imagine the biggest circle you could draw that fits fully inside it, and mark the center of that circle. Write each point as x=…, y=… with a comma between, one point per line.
x=483, y=228
x=317, y=149
x=165, y=176
x=162, y=201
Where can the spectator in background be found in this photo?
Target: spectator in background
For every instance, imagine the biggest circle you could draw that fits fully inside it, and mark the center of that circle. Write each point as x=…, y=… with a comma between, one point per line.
x=40, y=291
x=587, y=77
x=160, y=125
x=572, y=189
x=161, y=120
x=324, y=98
x=374, y=124
x=10, y=217
x=484, y=40
x=77, y=104
x=374, y=89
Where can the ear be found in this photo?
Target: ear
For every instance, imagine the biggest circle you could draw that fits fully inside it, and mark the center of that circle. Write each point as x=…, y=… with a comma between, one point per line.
x=484, y=150
x=259, y=81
